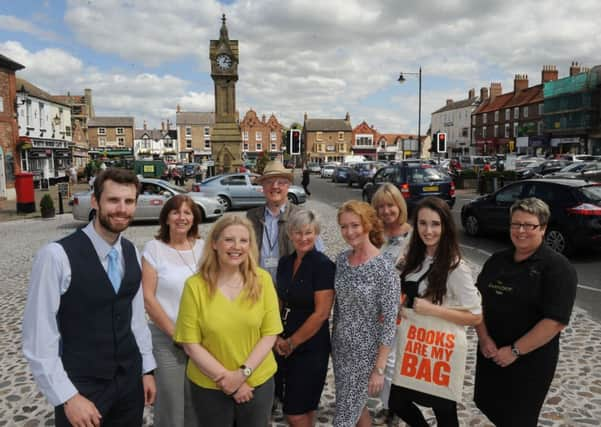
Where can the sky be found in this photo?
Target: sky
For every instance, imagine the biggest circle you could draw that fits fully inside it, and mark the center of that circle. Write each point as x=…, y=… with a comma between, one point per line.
x=142, y=58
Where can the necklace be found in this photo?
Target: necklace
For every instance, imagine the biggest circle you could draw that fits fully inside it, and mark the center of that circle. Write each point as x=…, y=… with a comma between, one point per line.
x=191, y=268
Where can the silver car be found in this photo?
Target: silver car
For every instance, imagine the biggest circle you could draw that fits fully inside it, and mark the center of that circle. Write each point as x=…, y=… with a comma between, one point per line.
x=240, y=190
x=154, y=193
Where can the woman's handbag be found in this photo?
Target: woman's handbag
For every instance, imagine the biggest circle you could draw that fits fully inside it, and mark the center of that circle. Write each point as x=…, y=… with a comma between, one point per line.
x=430, y=355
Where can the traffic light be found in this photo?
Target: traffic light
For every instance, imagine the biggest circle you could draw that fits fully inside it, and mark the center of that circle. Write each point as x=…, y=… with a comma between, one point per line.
x=295, y=141
x=441, y=142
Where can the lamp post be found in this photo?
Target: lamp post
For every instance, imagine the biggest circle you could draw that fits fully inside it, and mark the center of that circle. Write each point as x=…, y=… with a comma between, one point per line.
x=402, y=79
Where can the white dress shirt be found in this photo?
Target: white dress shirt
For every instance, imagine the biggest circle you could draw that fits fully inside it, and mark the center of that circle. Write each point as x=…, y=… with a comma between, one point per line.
x=50, y=278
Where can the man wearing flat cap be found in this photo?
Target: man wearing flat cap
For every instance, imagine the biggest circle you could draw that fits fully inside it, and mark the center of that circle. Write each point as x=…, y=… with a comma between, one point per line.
x=270, y=220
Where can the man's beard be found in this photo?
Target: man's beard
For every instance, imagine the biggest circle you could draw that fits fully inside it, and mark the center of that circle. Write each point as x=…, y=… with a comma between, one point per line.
x=104, y=220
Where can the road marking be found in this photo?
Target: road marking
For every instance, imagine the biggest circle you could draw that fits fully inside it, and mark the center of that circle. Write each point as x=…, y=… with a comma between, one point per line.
x=482, y=251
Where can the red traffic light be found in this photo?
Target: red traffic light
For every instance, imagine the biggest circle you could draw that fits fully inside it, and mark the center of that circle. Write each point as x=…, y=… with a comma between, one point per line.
x=441, y=142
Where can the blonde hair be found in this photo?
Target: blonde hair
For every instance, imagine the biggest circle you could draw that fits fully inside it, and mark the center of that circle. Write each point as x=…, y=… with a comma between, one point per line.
x=209, y=263
x=369, y=220
x=390, y=193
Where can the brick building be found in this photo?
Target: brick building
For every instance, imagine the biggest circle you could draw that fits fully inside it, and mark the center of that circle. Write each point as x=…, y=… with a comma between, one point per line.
x=261, y=135
x=327, y=140
x=111, y=138
x=194, y=135
x=9, y=157
x=365, y=142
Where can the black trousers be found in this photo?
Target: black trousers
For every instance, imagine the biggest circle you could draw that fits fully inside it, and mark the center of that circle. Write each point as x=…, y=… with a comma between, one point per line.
x=401, y=402
x=120, y=400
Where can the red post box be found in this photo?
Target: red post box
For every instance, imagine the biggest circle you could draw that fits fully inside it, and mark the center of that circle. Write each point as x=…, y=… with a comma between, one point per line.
x=25, y=192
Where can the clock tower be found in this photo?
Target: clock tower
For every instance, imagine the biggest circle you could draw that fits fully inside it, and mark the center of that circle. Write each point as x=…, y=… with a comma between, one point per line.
x=226, y=140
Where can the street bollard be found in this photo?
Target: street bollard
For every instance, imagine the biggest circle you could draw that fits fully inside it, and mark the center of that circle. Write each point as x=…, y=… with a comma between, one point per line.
x=60, y=203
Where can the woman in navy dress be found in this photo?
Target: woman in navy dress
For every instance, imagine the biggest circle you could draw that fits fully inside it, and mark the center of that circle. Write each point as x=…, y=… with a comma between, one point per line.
x=305, y=286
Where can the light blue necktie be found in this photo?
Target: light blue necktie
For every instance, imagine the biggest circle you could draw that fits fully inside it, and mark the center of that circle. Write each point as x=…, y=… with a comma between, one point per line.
x=114, y=269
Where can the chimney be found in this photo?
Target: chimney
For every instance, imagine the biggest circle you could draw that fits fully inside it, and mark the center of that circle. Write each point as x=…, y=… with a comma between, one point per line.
x=449, y=101
x=574, y=69
x=263, y=118
x=520, y=82
x=88, y=95
x=178, y=109
x=162, y=125
x=549, y=73
x=168, y=125
x=471, y=93
x=495, y=90
x=483, y=94
x=145, y=126
x=347, y=117
x=305, y=116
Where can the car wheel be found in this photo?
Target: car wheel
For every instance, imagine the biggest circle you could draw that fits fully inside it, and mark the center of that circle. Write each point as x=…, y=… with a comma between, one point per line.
x=227, y=202
x=558, y=241
x=472, y=225
x=292, y=199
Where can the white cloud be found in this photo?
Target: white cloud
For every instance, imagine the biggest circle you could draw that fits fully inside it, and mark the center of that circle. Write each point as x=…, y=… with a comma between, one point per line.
x=12, y=23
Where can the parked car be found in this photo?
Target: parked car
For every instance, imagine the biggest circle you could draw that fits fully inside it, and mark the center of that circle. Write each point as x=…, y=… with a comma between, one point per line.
x=590, y=171
x=540, y=169
x=575, y=211
x=240, y=190
x=577, y=157
x=327, y=170
x=415, y=181
x=341, y=174
x=361, y=173
x=154, y=193
x=314, y=167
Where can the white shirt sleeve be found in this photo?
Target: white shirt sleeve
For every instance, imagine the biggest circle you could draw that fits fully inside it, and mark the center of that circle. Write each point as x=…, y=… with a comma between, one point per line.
x=50, y=278
x=462, y=291
x=139, y=327
x=150, y=253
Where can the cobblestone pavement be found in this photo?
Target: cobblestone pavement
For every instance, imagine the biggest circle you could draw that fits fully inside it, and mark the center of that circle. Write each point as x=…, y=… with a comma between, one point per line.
x=573, y=400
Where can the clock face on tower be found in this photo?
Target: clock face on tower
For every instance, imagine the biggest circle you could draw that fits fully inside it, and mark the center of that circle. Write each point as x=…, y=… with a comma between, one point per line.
x=224, y=62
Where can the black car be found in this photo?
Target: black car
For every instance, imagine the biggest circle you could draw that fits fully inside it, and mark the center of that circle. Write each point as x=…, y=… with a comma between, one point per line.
x=361, y=173
x=575, y=211
x=545, y=168
x=341, y=174
x=415, y=181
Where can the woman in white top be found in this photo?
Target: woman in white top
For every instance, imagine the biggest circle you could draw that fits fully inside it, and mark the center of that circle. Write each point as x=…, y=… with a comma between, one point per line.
x=391, y=208
x=433, y=281
x=167, y=262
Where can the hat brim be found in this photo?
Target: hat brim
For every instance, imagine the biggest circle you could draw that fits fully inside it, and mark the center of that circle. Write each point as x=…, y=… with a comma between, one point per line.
x=286, y=175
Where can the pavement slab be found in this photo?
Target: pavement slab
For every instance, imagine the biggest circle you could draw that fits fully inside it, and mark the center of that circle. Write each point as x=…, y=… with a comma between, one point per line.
x=573, y=400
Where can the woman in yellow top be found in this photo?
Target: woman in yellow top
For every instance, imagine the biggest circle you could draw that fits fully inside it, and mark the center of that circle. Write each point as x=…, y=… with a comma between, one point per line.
x=228, y=322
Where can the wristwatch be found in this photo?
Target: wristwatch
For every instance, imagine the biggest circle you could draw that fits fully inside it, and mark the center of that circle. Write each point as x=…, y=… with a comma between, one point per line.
x=380, y=371
x=247, y=371
x=515, y=351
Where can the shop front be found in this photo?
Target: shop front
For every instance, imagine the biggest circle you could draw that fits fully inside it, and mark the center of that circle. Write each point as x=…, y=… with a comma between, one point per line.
x=46, y=158
x=569, y=145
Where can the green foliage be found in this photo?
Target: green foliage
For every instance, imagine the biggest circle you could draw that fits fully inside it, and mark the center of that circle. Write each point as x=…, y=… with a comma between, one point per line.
x=46, y=203
x=261, y=162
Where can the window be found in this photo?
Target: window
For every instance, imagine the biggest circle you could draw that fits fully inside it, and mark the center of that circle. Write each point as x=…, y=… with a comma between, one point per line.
x=464, y=132
x=516, y=112
x=259, y=147
x=340, y=136
x=497, y=116
x=238, y=180
x=245, y=146
x=101, y=131
x=119, y=131
x=188, y=143
x=506, y=130
x=42, y=124
x=473, y=120
x=342, y=148
x=318, y=136
x=484, y=118
x=273, y=147
x=273, y=136
x=510, y=194
x=516, y=128
x=102, y=141
x=496, y=131
x=68, y=130
x=188, y=131
x=258, y=136
x=507, y=114
x=245, y=135
x=525, y=111
x=207, y=144
x=539, y=128
x=387, y=174
x=207, y=131
x=121, y=141
x=540, y=109
x=483, y=131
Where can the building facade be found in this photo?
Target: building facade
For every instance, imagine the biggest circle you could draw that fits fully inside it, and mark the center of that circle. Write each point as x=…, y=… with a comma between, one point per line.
x=327, y=140
x=365, y=142
x=396, y=146
x=45, y=135
x=455, y=120
x=111, y=138
x=156, y=144
x=82, y=110
x=9, y=154
x=571, y=112
x=260, y=135
x=194, y=130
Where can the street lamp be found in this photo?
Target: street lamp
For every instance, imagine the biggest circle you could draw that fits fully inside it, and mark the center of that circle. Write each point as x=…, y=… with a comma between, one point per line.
x=402, y=79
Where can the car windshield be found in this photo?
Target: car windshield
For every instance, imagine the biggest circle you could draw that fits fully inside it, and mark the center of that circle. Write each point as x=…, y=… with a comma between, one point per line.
x=592, y=193
x=173, y=187
x=574, y=167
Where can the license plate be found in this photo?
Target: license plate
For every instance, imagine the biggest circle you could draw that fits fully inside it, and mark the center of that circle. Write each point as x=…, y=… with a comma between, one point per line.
x=431, y=188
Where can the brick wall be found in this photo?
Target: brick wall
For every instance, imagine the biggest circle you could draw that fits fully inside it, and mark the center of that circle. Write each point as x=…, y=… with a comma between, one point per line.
x=8, y=123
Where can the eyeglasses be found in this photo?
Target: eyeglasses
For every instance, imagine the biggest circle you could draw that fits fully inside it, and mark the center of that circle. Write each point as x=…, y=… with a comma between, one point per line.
x=278, y=182
x=526, y=226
